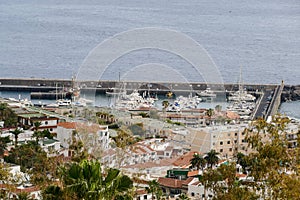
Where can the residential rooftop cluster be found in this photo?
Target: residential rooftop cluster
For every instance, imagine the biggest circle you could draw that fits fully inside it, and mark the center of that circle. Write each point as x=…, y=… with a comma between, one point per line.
x=172, y=150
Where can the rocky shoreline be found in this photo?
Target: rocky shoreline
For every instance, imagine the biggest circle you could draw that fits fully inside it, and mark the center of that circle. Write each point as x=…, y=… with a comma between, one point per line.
x=290, y=93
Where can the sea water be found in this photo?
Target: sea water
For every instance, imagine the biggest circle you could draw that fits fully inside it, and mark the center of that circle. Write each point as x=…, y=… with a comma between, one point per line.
x=51, y=38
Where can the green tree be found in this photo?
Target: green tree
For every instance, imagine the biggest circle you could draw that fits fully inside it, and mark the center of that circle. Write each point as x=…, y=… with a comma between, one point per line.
x=218, y=108
x=210, y=112
x=3, y=145
x=85, y=180
x=78, y=152
x=8, y=116
x=32, y=159
x=224, y=184
x=198, y=161
x=24, y=196
x=124, y=138
x=212, y=158
x=154, y=189
x=53, y=192
x=16, y=133
x=271, y=157
x=183, y=196
x=243, y=161
x=165, y=105
x=37, y=134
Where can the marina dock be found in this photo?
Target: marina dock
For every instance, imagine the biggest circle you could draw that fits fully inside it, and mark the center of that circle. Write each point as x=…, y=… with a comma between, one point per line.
x=269, y=96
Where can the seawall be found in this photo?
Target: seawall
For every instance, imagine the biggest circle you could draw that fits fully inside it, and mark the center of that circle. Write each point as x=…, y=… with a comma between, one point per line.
x=290, y=92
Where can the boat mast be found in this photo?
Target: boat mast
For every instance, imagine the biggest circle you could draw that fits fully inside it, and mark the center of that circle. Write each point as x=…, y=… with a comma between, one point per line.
x=241, y=87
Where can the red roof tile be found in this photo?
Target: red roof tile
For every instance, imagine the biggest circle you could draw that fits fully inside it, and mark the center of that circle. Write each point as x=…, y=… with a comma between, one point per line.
x=193, y=173
x=185, y=159
x=67, y=125
x=240, y=175
x=170, y=182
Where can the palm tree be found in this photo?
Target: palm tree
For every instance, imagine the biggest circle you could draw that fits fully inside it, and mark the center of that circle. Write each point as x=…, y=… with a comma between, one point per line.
x=212, y=158
x=16, y=133
x=53, y=192
x=24, y=196
x=210, y=112
x=154, y=189
x=37, y=134
x=198, y=161
x=85, y=180
x=165, y=105
x=3, y=107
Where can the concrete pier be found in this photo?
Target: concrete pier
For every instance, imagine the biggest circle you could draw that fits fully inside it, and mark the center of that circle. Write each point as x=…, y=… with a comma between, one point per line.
x=48, y=88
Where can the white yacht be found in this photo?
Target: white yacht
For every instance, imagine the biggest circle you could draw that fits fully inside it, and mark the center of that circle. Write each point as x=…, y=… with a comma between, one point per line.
x=182, y=103
x=207, y=93
x=63, y=102
x=134, y=101
x=241, y=94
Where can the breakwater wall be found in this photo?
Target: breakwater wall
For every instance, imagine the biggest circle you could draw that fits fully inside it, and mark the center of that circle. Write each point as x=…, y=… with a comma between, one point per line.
x=290, y=92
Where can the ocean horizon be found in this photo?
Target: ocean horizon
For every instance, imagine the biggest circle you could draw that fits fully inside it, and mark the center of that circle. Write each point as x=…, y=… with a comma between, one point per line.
x=50, y=39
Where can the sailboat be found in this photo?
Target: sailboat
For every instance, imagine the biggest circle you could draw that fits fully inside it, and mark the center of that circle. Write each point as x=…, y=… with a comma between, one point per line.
x=241, y=95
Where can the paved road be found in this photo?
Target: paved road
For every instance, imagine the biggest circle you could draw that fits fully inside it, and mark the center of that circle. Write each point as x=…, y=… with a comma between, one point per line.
x=264, y=104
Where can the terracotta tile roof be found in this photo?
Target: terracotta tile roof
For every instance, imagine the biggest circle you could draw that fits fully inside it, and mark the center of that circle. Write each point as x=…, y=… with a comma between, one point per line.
x=67, y=125
x=193, y=173
x=141, y=192
x=81, y=126
x=188, y=181
x=196, y=183
x=170, y=182
x=108, y=152
x=232, y=115
x=141, y=149
x=19, y=190
x=184, y=160
x=200, y=110
x=240, y=175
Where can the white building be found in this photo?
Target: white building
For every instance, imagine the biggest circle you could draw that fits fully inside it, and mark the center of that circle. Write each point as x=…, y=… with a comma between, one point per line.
x=95, y=137
x=50, y=146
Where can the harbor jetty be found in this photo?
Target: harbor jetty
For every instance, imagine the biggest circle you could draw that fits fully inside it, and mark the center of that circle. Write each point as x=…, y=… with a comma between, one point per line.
x=269, y=96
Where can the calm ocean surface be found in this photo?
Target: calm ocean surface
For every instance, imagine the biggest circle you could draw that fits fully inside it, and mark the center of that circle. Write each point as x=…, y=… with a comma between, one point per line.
x=51, y=38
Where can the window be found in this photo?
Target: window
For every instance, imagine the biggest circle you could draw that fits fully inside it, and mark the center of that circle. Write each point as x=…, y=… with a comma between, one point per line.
x=235, y=141
x=228, y=142
x=145, y=196
x=51, y=129
x=230, y=149
x=46, y=122
x=235, y=134
x=192, y=194
x=221, y=143
x=221, y=150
